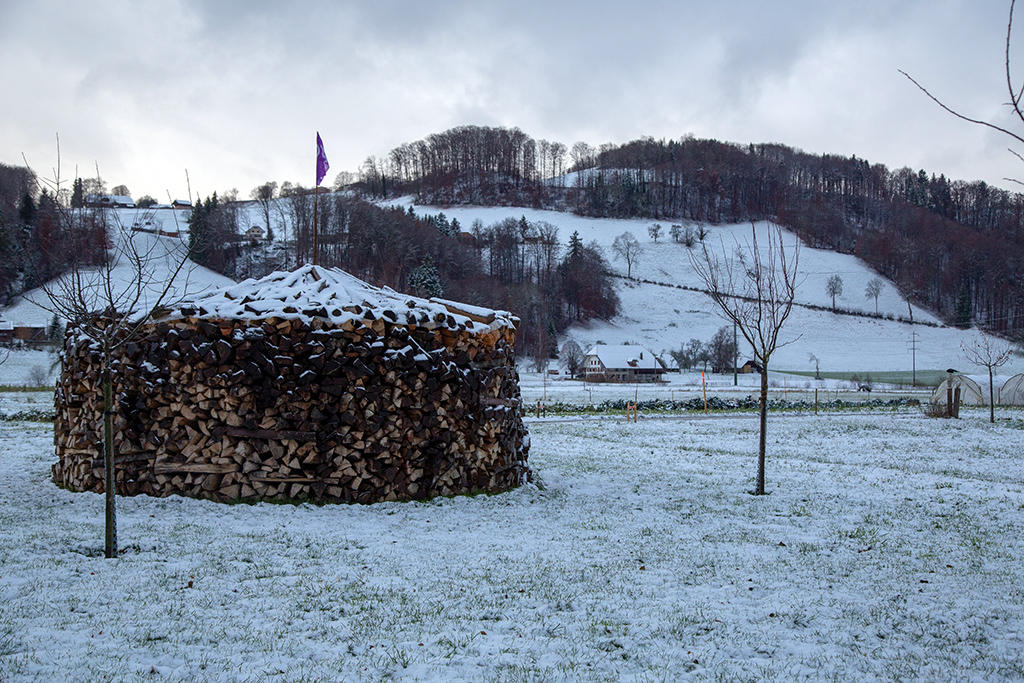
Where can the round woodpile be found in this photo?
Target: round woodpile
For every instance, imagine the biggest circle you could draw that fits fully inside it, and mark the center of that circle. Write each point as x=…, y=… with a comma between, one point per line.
x=305, y=385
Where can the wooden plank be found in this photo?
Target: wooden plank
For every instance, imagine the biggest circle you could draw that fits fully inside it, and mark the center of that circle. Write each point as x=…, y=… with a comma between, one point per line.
x=198, y=467
x=272, y=434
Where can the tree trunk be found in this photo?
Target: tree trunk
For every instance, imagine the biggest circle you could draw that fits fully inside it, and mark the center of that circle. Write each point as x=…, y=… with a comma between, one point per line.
x=109, y=479
x=759, y=489
x=991, y=398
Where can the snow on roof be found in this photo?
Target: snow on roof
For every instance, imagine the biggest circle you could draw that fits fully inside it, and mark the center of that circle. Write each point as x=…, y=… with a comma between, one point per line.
x=620, y=357
x=109, y=198
x=334, y=295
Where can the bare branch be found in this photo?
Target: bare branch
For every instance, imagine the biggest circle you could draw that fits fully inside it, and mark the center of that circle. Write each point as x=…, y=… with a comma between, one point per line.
x=958, y=114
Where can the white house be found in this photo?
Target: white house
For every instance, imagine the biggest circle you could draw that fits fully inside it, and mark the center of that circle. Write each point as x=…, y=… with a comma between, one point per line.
x=606, y=363
x=113, y=201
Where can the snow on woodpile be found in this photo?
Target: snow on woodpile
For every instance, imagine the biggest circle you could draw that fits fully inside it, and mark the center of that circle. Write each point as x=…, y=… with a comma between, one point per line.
x=303, y=385
x=333, y=295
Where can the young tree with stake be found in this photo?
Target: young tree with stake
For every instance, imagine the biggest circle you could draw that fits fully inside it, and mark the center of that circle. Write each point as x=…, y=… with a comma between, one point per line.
x=989, y=354
x=108, y=303
x=755, y=290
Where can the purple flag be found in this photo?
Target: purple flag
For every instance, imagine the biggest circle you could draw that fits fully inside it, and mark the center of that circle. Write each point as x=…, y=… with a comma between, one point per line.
x=321, y=161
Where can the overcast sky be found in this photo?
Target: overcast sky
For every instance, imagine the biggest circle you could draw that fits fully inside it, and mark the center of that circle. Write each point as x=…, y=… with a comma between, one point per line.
x=234, y=91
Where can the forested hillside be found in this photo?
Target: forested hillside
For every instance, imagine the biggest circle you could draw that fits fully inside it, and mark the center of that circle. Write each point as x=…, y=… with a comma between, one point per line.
x=955, y=247
x=37, y=241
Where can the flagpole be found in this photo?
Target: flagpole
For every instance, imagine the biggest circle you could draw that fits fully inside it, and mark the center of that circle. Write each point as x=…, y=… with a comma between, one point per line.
x=316, y=199
x=321, y=171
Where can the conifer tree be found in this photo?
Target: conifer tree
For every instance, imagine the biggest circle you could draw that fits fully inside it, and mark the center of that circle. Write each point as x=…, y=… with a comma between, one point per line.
x=424, y=280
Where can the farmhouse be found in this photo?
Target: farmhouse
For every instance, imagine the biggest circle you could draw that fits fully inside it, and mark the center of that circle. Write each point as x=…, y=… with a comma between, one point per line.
x=109, y=201
x=181, y=204
x=254, y=234
x=605, y=363
x=303, y=385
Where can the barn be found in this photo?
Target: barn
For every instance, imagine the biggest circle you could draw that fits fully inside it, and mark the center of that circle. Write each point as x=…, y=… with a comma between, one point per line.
x=303, y=385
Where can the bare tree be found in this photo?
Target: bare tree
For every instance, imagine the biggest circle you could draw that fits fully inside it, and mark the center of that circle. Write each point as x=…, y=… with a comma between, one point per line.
x=873, y=290
x=654, y=231
x=721, y=350
x=109, y=303
x=572, y=357
x=755, y=290
x=1015, y=92
x=990, y=354
x=264, y=194
x=627, y=247
x=834, y=288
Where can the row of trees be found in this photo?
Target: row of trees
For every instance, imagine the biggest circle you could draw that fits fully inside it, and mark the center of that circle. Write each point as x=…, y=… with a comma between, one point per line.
x=719, y=352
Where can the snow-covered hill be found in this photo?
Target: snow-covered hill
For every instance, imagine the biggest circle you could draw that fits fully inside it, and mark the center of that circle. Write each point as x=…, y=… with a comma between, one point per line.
x=163, y=255
x=662, y=318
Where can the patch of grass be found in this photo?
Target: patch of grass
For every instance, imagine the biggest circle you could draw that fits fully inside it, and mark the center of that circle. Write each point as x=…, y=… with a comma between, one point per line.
x=25, y=387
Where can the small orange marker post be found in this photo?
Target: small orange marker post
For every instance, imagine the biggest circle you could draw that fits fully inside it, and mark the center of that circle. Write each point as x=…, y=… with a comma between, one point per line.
x=704, y=386
x=630, y=411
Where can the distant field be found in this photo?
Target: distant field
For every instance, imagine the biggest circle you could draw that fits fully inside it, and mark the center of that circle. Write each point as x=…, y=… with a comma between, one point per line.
x=924, y=378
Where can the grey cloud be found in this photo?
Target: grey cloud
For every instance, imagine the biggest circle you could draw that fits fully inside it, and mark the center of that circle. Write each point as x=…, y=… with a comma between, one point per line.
x=234, y=89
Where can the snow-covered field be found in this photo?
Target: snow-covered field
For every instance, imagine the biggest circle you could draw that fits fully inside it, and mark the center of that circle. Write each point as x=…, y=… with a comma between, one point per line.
x=21, y=367
x=685, y=386
x=663, y=318
x=890, y=547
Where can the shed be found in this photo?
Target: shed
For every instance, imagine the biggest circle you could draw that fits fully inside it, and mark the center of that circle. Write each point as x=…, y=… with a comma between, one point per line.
x=749, y=367
x=302, y=385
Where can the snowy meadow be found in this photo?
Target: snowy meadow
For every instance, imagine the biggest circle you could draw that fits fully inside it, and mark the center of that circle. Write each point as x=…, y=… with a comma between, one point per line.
x=891, y=546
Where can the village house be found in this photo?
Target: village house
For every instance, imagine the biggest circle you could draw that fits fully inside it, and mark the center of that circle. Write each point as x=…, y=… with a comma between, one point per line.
x=254, y=234
x=606, y=363
x=109, y=201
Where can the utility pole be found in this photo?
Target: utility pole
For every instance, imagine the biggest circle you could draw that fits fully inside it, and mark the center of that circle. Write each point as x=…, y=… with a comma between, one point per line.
x=913, y=343
x=735, y=357
x=913, y=355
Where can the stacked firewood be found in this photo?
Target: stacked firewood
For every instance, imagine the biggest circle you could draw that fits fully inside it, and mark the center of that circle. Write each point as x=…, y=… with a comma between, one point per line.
x=378, y=404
